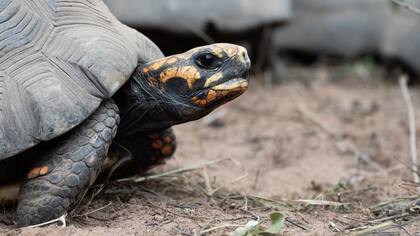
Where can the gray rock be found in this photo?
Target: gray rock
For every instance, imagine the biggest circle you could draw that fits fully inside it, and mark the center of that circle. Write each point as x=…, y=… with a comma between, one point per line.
x=334, y=27
x=402, y=39
x=184, y=16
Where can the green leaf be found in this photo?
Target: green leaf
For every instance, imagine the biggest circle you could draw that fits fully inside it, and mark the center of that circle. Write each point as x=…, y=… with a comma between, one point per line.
x=277, y=223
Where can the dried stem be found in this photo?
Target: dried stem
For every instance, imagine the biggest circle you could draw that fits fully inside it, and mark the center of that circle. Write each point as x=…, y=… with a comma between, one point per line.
x=407, y=6
x=61, y=219
x=412, y=127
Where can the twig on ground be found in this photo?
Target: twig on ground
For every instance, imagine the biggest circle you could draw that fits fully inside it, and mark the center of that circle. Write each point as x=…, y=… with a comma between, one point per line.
x=407, y=6
x=257, y=178
x=412, y=127
x=367, y=229
x=93, y=196
x=229, y=183
x=173, y=172
x=407, y=231
x=218, y=227
x=279, y=203
x=298, y=224
x=209, y=188
x=245, y=202
x=61, y=219
x=93, y=211
x=375, y=229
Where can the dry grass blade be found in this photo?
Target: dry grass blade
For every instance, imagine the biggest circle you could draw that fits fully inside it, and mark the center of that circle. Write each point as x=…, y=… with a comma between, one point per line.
x=93, y=211
x=173, y=172
x=381, y=227
x=376, y=228
x=245, y=175
x=229, y=183
x=61, y=219
x=320, y=202
x=278, y=203
x=412, y=127
x=407, y=6
x=209, y=188
x=218, y=227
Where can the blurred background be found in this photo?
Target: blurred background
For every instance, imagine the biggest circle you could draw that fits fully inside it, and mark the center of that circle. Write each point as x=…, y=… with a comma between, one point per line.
x=280, y=32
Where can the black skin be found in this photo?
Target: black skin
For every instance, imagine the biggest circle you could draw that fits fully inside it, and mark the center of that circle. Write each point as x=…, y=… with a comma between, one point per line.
x=151, y=102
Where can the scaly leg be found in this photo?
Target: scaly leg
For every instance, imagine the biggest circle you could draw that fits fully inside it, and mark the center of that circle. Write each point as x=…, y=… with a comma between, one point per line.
x=66, y=170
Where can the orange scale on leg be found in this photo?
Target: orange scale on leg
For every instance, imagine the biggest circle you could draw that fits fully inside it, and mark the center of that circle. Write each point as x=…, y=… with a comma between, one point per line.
x=167, y=150
x=157, y=144
x=167, y=139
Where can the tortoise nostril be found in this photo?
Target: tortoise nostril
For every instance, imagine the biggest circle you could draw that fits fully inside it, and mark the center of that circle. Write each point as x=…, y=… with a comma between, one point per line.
x=243, y=57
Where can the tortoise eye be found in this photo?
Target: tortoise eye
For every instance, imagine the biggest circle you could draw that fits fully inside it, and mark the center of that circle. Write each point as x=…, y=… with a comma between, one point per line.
x=208, y=61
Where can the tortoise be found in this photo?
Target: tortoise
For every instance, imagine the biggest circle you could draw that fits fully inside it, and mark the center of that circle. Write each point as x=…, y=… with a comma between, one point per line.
x=74, y=80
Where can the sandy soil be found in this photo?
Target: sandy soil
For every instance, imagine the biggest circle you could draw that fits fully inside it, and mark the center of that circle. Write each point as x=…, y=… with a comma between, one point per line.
x=338, y=141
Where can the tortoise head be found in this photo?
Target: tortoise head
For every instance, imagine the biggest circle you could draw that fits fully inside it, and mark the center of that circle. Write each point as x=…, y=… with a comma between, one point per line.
x=187, y=86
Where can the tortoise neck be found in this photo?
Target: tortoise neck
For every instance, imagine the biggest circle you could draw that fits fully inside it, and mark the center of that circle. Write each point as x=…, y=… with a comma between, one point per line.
x=145, y=108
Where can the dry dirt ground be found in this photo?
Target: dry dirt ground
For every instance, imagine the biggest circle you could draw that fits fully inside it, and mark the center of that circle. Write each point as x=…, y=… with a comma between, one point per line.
x=319, y=139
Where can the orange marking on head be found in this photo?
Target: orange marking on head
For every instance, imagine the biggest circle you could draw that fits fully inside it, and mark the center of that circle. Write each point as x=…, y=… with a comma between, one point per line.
x=167, y=150
x=157, y=64
x=199, y=102
x=145, y=69
x=211, y=96
x=188, y=73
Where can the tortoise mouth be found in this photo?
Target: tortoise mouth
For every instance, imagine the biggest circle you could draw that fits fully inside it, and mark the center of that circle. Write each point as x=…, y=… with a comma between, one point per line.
x=229, y=90
x=220, y=94
x=232, y=84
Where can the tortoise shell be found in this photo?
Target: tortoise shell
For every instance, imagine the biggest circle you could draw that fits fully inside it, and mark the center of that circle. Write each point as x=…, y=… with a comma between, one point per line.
x=58, y=60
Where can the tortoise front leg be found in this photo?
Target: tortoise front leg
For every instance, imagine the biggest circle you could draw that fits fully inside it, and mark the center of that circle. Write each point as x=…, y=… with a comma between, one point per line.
x=148, y=150
x=66, y=170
